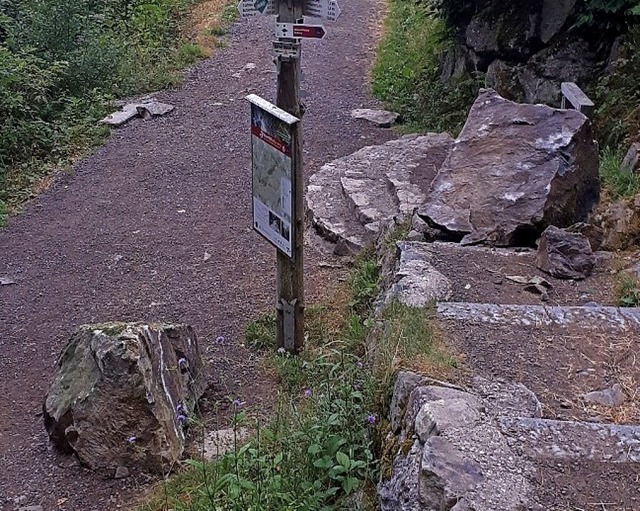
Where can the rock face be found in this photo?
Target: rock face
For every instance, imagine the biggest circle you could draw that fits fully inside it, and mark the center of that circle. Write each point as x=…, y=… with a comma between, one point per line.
x=458, y=460
x=564, y=254
x=514, y=170
x=123, y=394
x=414, y=280
x=454, y=450
x=526, y=49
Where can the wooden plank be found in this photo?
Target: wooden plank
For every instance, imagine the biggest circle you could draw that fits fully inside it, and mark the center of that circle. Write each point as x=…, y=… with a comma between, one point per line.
x=576, y=97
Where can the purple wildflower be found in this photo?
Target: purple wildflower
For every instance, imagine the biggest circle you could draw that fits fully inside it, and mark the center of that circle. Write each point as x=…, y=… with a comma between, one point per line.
x=220, y=339
x=182, y=419
x=307, y=393
x=131, y=440
x=237, y=403
x=359, y=364
x=281, y=351
x=371, y=419
x=182, y=363
x=180, y=409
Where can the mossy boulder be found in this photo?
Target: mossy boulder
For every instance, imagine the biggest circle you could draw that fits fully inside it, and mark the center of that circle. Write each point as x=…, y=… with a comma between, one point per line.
x=123, y=395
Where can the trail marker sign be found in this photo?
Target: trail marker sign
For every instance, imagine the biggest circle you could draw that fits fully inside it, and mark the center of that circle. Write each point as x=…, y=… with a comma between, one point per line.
x=325, y=9
x=299, y=31
x=251, y=8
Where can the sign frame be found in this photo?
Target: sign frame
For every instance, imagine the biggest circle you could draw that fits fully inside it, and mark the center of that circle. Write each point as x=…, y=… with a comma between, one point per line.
x=273, y=164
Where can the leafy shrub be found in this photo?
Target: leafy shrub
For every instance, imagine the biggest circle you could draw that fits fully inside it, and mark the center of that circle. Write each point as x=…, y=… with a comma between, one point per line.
x=61, y=63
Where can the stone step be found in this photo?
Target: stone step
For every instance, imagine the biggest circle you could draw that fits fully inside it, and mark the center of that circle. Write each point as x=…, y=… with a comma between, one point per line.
x=600, y=318
x=352, y=197
x=572, y=440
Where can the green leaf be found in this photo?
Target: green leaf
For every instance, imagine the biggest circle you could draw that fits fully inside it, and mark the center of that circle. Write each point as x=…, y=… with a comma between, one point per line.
x=343, y=459
x=314, y=449
x=350, y=484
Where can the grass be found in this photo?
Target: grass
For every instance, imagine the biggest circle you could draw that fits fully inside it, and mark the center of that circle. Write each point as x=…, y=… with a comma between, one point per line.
x=321, y=448
x=406, y=73
x=628, y=291
x=616, y=183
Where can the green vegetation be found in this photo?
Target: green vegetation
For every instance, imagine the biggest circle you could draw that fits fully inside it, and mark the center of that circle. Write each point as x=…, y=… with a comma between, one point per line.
x=406, y=75
x=322, y=445
x=628, y=291
x=617, y=97
x=60, y=65
x=617, y=183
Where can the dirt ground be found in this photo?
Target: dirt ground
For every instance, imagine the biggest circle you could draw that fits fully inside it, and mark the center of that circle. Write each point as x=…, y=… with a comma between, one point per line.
x=123, y=237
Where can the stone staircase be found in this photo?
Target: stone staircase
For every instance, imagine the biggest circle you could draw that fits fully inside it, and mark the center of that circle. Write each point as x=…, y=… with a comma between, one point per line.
x=538, y=426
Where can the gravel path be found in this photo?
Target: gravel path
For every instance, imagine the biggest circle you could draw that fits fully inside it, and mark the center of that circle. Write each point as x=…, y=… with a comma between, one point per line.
x=124, y=236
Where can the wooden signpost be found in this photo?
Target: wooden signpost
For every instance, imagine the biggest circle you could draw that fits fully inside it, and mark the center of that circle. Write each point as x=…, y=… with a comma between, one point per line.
x=272, y=222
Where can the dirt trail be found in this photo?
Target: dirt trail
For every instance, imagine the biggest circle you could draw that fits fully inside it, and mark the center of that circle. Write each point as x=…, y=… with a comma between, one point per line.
x=124, y=237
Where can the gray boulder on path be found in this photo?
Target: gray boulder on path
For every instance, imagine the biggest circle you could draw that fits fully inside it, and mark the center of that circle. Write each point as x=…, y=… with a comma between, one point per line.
x=564, y=254
x=123, y=395
x=514, y=170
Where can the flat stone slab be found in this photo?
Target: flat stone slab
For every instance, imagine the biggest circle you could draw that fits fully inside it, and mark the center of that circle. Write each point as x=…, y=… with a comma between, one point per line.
x=381, y=118
x=601, y=318
x=351, y=198
x=144, y=109
x=568, y=440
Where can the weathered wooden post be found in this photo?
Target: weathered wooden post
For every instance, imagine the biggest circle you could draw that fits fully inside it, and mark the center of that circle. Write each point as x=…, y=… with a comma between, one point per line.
x=278, y=128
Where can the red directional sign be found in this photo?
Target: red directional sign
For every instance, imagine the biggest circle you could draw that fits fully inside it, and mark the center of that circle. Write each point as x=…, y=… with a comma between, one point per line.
x=295, y=31
x=312, y=31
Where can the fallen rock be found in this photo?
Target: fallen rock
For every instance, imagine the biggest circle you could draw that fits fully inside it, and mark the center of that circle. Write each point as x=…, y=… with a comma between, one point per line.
x=123, y=395
x=121, y=472
x=611, y=397
x=564, y=254
x=381, y=118
x=631, y=159
x=593, y=233
x=154, y=109
x=145, y=109
x=514, y=170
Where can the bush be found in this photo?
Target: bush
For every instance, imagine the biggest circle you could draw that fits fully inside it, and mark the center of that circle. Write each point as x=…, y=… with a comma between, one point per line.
x=61, y=63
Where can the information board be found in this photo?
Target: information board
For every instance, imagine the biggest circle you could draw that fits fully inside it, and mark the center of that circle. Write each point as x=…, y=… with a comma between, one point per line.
x=272, y=172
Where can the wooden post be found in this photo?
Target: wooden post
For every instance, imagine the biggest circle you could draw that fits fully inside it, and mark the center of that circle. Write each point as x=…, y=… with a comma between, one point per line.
x=290, y=278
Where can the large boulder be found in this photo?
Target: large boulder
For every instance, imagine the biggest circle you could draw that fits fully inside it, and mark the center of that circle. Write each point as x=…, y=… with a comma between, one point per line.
x=514, y=170
x=123, y=395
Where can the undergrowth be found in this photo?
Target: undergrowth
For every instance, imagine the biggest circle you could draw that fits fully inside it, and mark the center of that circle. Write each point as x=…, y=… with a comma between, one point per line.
x=628, y=291
x=61, y=65
x=616, y=182
x=406, y=74
x=321, y=448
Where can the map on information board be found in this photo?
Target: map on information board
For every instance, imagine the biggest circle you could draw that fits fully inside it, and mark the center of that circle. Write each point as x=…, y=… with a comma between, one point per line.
x=272, y=176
